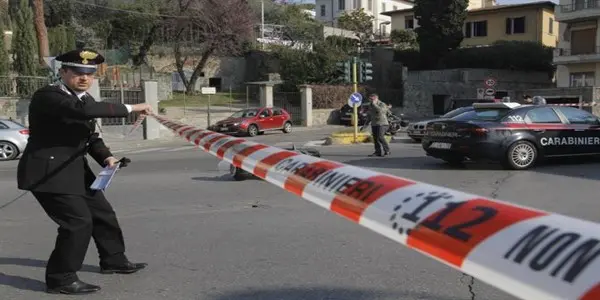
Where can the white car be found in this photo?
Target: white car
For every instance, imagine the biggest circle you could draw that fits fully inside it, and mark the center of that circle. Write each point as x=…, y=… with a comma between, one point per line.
x=416, y=131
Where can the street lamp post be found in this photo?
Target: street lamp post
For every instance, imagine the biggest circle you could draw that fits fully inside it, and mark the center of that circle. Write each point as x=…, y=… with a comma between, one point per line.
x=262, y=23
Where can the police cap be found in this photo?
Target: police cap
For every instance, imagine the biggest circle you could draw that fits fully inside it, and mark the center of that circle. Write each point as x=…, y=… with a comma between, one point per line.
x=81, y=60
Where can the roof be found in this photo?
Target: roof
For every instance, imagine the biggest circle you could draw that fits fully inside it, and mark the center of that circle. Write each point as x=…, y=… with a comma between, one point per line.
x=495, y=8
x=510, y=105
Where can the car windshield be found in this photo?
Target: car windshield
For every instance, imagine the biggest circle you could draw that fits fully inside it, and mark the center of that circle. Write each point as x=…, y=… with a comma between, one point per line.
x=246, y=113
x=12, y=124
x=456, y=112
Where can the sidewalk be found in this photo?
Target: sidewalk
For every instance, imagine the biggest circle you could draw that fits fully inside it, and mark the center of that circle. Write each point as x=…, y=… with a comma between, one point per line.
x=303, y=133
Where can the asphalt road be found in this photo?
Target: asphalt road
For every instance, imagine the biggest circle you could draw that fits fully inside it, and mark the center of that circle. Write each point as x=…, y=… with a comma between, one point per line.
x=208, y=237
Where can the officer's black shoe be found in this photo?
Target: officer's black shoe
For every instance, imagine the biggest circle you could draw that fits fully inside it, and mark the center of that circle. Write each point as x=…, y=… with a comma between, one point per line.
x=126, y=268
x=375, y=154
x=76, y=288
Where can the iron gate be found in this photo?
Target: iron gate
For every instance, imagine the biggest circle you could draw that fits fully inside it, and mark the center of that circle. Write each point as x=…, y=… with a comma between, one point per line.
x=122, y=96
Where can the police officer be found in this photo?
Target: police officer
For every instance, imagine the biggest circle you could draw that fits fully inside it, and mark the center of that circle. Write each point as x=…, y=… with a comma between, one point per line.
x=378, y=114
x=54, y=168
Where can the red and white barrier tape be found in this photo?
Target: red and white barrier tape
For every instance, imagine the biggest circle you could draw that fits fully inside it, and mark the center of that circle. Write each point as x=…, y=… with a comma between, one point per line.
x=529, y=253
x=137, y=123
x=574, y=104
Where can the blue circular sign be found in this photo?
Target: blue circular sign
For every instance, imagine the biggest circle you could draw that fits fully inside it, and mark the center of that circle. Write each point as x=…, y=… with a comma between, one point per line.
x=356, y=98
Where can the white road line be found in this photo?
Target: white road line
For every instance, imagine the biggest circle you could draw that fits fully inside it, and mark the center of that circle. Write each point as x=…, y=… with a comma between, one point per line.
x=180, y=148
x=148, y=150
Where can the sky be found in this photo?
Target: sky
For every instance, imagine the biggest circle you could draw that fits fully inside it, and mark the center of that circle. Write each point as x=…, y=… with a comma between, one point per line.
x=498, y=1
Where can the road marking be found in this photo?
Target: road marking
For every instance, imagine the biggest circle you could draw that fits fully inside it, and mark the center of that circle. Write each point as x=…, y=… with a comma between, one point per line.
x=148, y=150
x=180, y=149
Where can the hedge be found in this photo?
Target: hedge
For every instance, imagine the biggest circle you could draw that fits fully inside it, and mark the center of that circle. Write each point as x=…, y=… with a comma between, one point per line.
x=333, y=96
x=514, y=55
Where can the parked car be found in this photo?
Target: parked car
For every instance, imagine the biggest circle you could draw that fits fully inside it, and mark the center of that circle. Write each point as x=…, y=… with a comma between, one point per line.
x=517, y=136
x=363, y=114
x=13, y=139
x=254, y=121
x=416, y=131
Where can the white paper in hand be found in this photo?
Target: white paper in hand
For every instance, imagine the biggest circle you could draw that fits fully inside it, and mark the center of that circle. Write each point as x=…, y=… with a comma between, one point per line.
x=105, y=177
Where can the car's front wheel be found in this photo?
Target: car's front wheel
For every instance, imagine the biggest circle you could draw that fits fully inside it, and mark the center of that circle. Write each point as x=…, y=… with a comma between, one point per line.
x=520, y=155
x=252, y=130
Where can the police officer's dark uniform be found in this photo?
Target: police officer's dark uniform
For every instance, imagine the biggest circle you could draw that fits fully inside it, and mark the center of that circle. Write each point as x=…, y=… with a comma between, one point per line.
x=54, y=168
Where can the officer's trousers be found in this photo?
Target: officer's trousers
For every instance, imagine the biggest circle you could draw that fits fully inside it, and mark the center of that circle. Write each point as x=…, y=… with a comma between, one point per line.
x=80, y=218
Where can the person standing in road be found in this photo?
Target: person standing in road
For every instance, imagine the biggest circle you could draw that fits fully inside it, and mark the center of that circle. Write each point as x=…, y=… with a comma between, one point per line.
x=55, y=169
x=378, y=114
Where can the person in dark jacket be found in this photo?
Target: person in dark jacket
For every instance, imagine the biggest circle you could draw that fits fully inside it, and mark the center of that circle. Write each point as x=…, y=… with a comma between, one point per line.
x=55, y=169
x=378, y=115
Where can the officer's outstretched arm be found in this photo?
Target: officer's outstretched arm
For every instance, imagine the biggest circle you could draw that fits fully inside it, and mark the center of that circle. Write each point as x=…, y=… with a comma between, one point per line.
x=58, y=104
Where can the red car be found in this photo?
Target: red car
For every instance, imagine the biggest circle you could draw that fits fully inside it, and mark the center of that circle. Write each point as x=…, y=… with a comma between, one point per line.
x=254, y=121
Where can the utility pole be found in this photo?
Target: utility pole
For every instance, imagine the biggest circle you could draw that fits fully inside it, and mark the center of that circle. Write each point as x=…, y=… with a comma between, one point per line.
x=355, y=107
x=262, y=24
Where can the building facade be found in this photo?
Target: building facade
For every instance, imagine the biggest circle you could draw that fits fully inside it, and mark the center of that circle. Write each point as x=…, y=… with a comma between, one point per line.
x=577, y=56
x=487, y=23
x=328, y=11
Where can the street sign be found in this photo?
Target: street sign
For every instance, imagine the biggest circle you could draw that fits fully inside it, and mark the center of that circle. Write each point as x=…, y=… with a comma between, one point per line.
x=490, y=82
x=208, y=90
x=490, y=92
x=355, y=99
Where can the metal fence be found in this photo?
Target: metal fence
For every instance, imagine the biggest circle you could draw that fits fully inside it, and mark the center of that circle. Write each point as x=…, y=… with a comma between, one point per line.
x=290, y=101
x=21, y=87
x=122, y=96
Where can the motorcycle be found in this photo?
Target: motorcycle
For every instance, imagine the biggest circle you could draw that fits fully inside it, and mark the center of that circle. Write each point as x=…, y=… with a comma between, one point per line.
x=239, y=174
x=396, y=123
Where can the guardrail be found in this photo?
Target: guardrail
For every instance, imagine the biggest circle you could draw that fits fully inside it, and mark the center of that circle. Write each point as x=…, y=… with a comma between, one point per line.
x=528, y=253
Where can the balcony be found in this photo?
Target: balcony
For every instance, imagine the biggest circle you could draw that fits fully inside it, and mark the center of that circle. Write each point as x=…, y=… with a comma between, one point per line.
x=564, y=56
x=577, y=10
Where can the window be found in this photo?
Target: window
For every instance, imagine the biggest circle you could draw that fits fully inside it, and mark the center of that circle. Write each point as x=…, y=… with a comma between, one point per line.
x=542, y=115
x=453, y=113
x=578, y=116
x=488, y=114
x=582, y=79
x=265, y=113
x=583, y=41
x=370, y=5
x=277, y=112
x=515, y=25
x=341, y=4
x=551, y=24
x=476, y=29
x=3, y=126
x=322, y=10
x=409, y=22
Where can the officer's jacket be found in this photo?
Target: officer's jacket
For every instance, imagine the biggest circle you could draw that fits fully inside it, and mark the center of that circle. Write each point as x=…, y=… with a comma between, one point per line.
x=378, y=114
x=61, y=133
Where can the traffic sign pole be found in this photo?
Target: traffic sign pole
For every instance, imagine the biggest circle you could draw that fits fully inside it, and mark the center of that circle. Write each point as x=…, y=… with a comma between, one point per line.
x=355, y=107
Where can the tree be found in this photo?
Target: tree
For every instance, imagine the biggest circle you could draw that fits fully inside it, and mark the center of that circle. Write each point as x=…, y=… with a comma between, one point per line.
x=404, y=39
x=440, y=28
x=358, y=21
x=4, y=58
x=41, y=30
x=220, y=30
x=24, y=48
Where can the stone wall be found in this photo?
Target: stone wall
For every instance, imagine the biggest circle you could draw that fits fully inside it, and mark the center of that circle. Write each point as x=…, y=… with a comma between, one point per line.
x=231, y=70
x=420, y=86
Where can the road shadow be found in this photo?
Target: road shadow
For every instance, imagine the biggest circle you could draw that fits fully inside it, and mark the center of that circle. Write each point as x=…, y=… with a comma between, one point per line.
x=324, y=293
x=579, y=167
x=22, y=283
x=37, y=263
